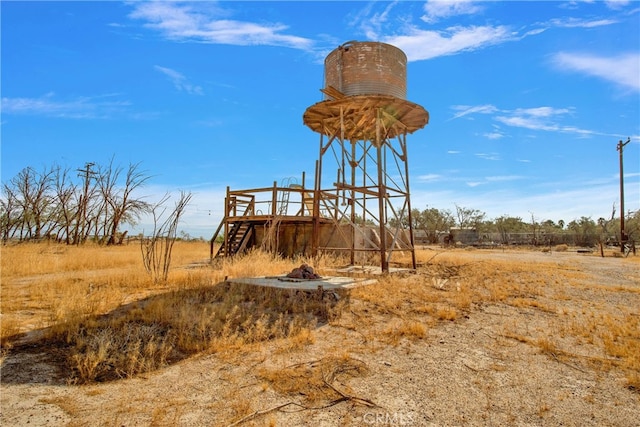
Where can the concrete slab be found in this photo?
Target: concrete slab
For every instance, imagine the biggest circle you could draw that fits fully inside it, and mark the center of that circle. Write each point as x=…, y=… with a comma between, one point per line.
x=284, y=282
x=369, y=269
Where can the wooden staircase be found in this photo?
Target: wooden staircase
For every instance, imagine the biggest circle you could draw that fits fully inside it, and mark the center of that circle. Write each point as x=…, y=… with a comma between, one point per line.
x=240, y=234
x=236, y=227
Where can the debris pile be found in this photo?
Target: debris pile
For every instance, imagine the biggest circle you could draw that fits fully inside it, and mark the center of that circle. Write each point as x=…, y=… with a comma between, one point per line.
x=303, y=272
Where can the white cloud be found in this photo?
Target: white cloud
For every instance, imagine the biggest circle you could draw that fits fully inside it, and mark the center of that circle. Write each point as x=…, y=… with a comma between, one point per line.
x=581, y=23
x=370, y=22
x=623, y=70
x=538, y=118
x=463, y=110
x=493, y=135
x=180, y=81
x=429, y=177
x=489, y=156
x=439, y=9
x=202, y=22
x=542, y=111
x=542, y=118
x=420, y=44
x=616, y=4
x=83, y=107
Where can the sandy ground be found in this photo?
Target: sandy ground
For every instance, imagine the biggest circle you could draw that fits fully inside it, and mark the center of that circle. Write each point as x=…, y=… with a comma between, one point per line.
x=467, y=372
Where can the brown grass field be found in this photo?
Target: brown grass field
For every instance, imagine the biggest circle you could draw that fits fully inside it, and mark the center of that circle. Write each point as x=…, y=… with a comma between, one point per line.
x=472, y=337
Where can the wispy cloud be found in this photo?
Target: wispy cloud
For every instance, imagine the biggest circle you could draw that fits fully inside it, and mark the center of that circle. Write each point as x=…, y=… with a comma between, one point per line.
x=420, y=44
x=616, y=4
x=623, y=70
x=206, y=23
x=493, y=135
x=541, y=118
x=489, y=156
x=370, y=21
x=180, y=82
x=493, y=179
x=436, y=10
x=83, y=107
x=581, y=23
x=464, y=110
x=432, y=177
x=538, y=118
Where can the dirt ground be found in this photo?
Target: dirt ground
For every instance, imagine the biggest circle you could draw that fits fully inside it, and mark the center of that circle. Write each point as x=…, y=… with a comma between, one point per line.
x=466, y=372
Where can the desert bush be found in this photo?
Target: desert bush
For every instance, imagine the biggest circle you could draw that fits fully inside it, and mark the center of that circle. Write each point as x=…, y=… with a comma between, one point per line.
x=561, y=248
x=177, y=324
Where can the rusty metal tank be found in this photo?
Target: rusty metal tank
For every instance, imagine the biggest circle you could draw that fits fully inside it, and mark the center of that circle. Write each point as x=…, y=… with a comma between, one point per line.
x=367, y=68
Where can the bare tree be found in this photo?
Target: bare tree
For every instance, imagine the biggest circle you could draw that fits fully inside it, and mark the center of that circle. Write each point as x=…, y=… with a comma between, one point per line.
x=33, y=195
x=49, y=204
x=66, y=210
x=120, y=203
x=9, y=213
x=84, y=201
x=156, y=250
x=605, y=226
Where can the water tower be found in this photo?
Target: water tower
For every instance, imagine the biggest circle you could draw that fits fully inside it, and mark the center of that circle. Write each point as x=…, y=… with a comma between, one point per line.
x=363, y=122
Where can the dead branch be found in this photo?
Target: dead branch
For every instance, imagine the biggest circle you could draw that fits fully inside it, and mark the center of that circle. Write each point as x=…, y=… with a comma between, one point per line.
x=567, y=363
x=347, y=397
x=327, y=380
x=257, y=414
x=343, y=398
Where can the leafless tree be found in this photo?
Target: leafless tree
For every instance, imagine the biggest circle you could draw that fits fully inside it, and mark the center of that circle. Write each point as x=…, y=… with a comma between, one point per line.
x=84, y=202
x=34, y=205
x=33, y=196
x=9, y=213
x=156, y=250
x=120, y=204
x=65, y=207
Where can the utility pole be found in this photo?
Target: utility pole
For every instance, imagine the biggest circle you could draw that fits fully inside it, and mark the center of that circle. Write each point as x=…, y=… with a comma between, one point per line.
x=623, y=235
x=86, y=174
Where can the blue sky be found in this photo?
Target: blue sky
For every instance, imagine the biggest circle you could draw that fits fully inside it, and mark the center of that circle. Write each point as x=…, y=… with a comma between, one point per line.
x=527, y=100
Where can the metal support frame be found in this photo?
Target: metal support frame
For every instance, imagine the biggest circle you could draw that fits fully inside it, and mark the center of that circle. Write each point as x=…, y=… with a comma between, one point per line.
x=374, y=190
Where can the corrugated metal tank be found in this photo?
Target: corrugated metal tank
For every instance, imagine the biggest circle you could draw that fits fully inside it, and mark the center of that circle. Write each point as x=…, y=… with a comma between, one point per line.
x=367, y=68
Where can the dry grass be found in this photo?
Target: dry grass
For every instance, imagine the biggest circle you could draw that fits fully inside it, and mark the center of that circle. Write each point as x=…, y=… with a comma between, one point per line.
x=450, y=285
x=99, y=307
x=115, y=322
